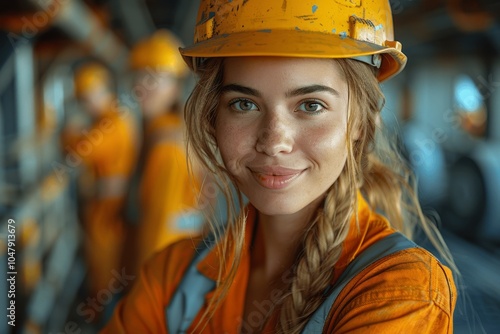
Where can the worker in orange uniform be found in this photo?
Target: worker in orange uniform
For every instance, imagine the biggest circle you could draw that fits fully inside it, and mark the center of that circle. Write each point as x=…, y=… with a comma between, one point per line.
x=108, y=151
x=163, y=189
x=287, y=109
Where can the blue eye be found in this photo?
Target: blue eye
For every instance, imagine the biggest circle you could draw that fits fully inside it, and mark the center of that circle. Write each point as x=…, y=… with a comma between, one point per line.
x=243, y=105
x=311, y=107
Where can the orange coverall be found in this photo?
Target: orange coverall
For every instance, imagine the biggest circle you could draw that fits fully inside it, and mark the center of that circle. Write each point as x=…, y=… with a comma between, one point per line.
x=166, y=189
x=108, y=150
x=406, y=292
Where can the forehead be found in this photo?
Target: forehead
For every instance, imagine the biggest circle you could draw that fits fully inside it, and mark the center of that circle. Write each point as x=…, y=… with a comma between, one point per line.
x=286, y=72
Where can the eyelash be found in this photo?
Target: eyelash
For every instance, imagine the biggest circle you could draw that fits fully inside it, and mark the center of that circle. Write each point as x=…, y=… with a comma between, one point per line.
x=235, y=101
x=313, y=101
x=320, y=103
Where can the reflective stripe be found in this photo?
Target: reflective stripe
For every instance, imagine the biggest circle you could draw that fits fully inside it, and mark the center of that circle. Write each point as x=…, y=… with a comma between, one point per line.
x=190, y=295
x=389, y=245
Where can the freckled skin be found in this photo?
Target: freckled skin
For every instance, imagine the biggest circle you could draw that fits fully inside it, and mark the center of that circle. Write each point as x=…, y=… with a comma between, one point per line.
x=277, y=131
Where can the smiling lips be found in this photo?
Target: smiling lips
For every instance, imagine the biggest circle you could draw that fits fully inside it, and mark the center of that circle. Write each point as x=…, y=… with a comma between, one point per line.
x=275, y=177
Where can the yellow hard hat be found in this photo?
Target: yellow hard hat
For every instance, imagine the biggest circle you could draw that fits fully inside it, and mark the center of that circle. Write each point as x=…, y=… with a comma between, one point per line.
x=89, y=76
x=358, y=29
x=160, y=51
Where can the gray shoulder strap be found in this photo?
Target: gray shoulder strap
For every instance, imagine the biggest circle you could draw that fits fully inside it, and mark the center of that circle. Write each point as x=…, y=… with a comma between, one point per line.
x=387, y=246
x=189, y=296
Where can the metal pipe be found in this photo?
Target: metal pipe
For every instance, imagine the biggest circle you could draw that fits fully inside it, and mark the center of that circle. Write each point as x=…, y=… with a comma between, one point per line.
x=77, y=20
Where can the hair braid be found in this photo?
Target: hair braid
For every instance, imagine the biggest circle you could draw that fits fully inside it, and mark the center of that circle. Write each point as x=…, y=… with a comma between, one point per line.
x=322, y=247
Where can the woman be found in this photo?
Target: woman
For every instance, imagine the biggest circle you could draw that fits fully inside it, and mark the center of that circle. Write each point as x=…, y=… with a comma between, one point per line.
x=162, y=188
x=107, y=151
x=287, y=108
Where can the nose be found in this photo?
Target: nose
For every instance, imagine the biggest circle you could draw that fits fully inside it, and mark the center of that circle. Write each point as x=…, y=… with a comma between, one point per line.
x=275, y=136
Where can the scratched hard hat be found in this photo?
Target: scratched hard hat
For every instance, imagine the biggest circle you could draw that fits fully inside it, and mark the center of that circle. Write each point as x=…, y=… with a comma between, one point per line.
x=299, y=28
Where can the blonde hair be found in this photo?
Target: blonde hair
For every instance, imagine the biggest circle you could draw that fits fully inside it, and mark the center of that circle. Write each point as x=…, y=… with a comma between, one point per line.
x=386, y=184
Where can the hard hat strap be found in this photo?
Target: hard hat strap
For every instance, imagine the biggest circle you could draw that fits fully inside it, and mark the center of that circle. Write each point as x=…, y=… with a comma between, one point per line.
x=373, y=60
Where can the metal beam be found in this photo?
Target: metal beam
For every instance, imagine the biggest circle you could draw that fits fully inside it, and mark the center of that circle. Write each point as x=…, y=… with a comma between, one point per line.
x=76, y=19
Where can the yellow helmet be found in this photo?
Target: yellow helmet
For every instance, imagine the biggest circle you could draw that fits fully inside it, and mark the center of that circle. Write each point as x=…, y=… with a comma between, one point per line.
x=358, y=29
x=160, y=51
x=89, y=76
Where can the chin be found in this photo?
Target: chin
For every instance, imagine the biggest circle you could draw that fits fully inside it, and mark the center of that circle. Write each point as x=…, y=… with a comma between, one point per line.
x=276, y=206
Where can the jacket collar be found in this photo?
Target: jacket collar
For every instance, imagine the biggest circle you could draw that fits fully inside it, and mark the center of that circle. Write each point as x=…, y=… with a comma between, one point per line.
x=369, y=228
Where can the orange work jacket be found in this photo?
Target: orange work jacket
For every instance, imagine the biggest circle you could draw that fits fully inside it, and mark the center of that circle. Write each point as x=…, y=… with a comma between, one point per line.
x=167, y=188
x=108, y=151
x=407, y=292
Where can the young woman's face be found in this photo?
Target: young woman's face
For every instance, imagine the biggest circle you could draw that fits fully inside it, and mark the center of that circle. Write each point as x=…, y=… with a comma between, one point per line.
x=281, y=129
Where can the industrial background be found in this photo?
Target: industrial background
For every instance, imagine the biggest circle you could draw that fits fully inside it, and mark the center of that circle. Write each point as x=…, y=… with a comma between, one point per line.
x=444, y=109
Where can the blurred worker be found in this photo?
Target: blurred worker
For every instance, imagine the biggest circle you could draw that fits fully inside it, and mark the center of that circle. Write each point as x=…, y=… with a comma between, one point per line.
x=108, y=152
x=163, y=187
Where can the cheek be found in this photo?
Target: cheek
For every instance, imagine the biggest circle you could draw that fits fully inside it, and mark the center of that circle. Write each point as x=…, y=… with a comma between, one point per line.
x=235, y=144
x=328, y=147
x=226, y=146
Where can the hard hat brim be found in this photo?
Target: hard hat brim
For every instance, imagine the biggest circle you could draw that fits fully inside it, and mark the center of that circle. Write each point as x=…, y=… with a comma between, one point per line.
x=295, y=43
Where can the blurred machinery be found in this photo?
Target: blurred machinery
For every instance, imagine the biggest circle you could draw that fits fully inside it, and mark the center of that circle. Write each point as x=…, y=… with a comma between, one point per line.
x=474, y=194
x=39, y=201
x=452, y=123
x=452, y=152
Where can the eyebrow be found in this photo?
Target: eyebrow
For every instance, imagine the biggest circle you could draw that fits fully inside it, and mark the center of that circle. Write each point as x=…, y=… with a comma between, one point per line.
x=295, y=92
x=312, y=89
x=240, y=89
